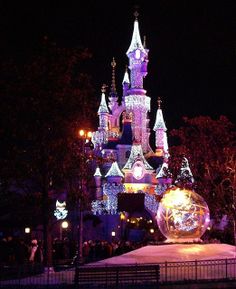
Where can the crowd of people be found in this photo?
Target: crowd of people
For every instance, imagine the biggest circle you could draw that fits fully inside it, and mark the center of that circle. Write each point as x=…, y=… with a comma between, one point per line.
x=18, y=251
x=93, y=250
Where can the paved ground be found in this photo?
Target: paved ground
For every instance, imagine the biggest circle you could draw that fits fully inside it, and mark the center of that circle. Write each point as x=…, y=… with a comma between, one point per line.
x=173, y=253
x=156, y=254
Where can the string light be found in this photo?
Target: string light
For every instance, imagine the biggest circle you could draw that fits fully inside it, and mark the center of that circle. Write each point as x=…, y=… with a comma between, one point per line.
x=60, y=212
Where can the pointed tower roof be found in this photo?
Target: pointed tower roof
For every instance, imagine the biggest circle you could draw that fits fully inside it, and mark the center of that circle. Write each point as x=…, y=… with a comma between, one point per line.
x=114, y=171
x=162, y=170
x=103, y=105
x=185, y=172
x=136, y=152
x=136, y=40
x=113, y=92
x=126, y=76
x=159, y=123
x=97, y=172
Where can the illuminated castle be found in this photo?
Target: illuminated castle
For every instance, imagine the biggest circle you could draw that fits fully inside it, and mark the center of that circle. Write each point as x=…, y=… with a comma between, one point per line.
x=132, y=167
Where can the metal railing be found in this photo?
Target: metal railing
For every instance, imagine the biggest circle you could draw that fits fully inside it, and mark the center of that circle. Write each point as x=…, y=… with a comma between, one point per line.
x=198, y=270
x=186, y=271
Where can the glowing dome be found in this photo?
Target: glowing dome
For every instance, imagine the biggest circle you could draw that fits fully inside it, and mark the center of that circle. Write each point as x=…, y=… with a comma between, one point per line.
x=182, y=215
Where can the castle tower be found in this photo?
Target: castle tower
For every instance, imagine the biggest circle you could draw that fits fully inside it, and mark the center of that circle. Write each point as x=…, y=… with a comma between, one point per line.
x=103, y=112
x=100, y=136
x=126, y=82
x=97, y=177
x=136, y=100
x=161, y=137
x=115, y=108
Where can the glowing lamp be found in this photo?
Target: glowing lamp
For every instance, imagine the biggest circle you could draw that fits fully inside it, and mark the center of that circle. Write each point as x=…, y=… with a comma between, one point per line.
x=122, y=216
x=27, y=230
x=81, y=132
x=182, y=215
x=113, y=233
x=64, y=224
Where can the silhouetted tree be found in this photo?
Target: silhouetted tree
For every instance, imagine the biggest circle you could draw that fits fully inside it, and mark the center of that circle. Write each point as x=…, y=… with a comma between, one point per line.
x=45, y=99
x=209, y=145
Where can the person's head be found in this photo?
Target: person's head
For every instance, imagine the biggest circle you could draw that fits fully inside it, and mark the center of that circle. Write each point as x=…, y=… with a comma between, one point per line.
x=34, y=242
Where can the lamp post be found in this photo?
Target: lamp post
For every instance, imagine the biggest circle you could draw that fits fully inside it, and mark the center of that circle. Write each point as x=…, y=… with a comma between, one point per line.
x=64, y=225
x=84, y=136
x=122, y=219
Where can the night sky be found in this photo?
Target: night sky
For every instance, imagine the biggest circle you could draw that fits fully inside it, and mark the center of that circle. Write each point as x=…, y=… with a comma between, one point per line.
x=192, y=46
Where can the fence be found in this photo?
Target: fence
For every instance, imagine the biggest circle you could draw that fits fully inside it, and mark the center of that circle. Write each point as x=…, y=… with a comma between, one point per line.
x=209, y=270
x=170, y=272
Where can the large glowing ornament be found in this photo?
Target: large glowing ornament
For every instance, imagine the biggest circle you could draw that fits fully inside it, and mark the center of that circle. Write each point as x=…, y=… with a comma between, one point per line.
x=182, y=215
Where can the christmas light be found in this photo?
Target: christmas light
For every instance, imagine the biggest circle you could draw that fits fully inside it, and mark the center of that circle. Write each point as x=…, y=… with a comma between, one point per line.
x=151, y=203
x=114, y=171
x=185, y=176
x=60, y=213
x=136, y=153
x=134, y=101
x=103, y=105
x=136, y=40
x=97, y=172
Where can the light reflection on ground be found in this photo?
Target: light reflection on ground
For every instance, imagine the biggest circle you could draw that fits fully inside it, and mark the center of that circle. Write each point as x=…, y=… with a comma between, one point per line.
x=173, y=253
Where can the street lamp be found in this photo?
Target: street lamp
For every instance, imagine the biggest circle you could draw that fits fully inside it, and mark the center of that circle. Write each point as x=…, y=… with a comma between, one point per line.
x=27, y=230
x=85, y=137
x=113, y=234
x=122, y=219
x=151, y=231
x=64, y=225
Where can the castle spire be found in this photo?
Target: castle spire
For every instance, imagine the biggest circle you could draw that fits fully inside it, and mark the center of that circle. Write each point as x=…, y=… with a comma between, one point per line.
x=160, y=129
x=136, y=42
x=114, y=171
x=125, y=82
x=185, y=177
x=159, y=123
x=103, y=105
x=159, y=101
x=136, y=100
x=113, y=92
x=126, y=76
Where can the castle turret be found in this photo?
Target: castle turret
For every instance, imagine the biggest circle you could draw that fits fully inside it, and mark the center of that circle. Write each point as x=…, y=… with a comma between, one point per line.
x=136, y=100
x=125, y=82
x=103, y=111
x=160, y=129
x=114, y=174
x=137, y=56
x=100, y=136
x=185, y=177
x=97, y=177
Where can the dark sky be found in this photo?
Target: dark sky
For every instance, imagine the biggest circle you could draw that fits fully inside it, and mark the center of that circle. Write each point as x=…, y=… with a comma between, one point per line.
x=192, y=46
